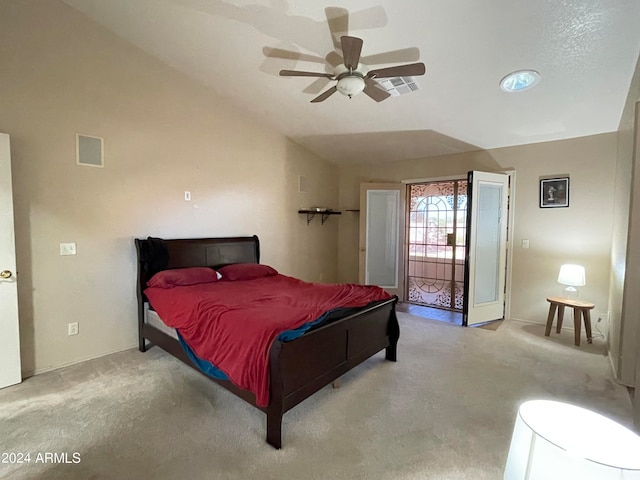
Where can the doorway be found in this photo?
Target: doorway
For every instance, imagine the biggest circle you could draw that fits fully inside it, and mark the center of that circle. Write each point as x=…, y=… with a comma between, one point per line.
x=452, y=258
x=436, y=242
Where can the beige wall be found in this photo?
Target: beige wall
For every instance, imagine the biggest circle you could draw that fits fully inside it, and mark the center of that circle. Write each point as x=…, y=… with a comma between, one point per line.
x=578, y=234
x=163, y=134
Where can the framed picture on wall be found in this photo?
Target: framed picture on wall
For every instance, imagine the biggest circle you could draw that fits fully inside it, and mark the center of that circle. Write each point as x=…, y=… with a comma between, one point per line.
x=554, y=192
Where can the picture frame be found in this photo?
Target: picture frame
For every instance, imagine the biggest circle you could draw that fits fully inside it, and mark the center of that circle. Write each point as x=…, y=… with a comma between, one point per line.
x=554, y=192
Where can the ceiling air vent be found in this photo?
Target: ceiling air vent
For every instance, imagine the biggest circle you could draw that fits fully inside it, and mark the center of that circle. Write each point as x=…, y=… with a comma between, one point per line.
x=397, y=86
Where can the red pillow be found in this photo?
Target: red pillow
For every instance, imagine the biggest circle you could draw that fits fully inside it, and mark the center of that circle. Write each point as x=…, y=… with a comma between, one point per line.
x=246, y=271
x=183, y=276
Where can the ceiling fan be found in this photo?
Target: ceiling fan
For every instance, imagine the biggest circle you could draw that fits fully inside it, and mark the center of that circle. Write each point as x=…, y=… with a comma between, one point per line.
x=353, y=77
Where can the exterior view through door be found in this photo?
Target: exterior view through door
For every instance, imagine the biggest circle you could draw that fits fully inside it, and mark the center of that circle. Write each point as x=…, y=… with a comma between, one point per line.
x=437, y=222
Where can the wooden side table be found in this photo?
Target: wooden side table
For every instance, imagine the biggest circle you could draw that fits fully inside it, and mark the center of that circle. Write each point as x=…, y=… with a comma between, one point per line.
x=580, y=309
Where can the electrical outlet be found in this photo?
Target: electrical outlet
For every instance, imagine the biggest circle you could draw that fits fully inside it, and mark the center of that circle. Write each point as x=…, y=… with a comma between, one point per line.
x=602, y=324
x=72, y=328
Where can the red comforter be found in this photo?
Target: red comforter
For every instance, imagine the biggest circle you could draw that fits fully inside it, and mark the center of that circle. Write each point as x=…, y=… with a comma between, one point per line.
x=233, y=324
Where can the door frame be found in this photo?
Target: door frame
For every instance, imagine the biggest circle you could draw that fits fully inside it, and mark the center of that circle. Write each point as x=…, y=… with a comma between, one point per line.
x=510, y=226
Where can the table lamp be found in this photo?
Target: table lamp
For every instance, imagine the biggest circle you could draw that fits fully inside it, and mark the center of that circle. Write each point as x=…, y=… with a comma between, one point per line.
x=558, y=441
x=572, y=276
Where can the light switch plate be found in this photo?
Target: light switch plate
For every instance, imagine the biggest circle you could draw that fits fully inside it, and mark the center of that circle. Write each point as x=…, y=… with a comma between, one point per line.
x=67, y=249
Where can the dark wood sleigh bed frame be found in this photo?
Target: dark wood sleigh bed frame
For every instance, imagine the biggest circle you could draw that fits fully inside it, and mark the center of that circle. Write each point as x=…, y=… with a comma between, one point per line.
x=298, y=368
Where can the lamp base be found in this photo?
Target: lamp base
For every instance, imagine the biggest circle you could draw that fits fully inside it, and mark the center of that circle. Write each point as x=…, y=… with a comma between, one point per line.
x=570, y=293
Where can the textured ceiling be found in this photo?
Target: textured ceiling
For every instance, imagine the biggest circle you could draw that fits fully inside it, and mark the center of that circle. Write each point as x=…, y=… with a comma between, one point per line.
x=586, y=51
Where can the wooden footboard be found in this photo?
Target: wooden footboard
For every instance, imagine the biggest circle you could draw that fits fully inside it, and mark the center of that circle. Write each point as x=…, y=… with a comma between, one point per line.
x=302, y=367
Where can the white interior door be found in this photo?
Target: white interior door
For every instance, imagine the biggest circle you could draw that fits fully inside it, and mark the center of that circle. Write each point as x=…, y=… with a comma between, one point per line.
x=486, y=256
x=9, y=333
x=382, y=236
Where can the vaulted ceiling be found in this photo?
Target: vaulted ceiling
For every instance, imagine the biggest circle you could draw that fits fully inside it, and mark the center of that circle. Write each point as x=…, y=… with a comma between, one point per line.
x=585, y=50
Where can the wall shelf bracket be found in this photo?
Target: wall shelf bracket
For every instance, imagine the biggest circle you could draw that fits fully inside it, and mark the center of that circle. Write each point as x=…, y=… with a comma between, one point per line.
x=323, y=215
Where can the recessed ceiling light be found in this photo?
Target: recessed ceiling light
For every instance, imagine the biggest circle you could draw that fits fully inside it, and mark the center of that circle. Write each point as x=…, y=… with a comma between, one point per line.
x=519, y=81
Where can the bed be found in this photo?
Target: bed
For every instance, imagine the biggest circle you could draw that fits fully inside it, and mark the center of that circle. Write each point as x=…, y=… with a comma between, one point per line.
x=296, y=368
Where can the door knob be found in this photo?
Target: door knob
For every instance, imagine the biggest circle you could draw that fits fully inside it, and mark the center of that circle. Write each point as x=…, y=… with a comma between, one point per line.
x=6, y=274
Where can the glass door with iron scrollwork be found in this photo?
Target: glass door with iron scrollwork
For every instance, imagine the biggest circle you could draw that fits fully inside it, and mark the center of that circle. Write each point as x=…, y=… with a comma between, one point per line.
x=437, y=213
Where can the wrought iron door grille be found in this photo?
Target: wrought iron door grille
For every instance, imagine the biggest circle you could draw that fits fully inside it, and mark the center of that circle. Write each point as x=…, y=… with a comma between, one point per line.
x=436, y=233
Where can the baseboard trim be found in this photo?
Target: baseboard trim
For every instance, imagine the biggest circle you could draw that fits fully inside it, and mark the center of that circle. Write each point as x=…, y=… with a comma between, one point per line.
x=532, y=322
x=569, y=326
x=30, y=373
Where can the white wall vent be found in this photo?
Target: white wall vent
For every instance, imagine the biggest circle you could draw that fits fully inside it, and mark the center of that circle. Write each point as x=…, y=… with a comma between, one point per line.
x=398, y=85
x=89, y=150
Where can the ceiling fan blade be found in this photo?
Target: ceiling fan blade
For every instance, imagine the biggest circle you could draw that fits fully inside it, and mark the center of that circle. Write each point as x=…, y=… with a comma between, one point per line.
x=411, y=70
x=374, y=91
x=323, y=96
x=318, y=85
x=298, y=73
x=351, y=48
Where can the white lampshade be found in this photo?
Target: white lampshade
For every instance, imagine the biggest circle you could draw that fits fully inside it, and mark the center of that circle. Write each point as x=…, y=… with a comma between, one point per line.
x=554, y=440
x=572, y=275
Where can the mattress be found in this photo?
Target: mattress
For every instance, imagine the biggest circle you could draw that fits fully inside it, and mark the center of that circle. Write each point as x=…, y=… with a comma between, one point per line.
x=153, y=319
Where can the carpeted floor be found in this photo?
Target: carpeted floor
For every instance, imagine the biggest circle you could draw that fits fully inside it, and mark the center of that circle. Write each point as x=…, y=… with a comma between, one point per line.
x=444, y=411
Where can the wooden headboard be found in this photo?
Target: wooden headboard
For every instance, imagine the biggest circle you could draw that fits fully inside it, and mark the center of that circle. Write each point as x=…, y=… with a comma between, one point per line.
x=156, y=254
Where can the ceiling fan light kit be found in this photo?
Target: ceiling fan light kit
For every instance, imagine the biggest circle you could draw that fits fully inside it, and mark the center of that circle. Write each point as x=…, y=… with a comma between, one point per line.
x=350, y=82
x=351, y=85
x=353, y=77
